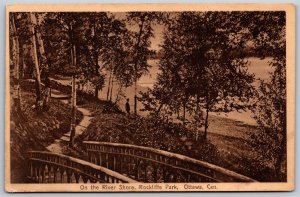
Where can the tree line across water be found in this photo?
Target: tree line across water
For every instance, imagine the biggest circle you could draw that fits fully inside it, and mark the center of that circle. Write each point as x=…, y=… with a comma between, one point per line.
x=202, y=64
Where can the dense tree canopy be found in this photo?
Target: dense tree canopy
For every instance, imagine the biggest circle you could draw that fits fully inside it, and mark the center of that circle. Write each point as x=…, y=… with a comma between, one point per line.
x=203, y=64
x=199, y=69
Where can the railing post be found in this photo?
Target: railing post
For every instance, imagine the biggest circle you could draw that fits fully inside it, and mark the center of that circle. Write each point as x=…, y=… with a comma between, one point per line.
x=137, y=165
x=114, y=162
x=55, y=174
x=188, y=178
x=46, y=174
x=62, y=175
x=50, y=175
x=145, y=171
x=165, y=178
x=36, y=171
x=100, y=159
x=121, y=164
x=107, y=162
x=95, y=159
x=39, y=175
x=77, y=177
x=31, y=169
x=155, y=173
x=129, y=165
x=85, y=179
x=68, y=177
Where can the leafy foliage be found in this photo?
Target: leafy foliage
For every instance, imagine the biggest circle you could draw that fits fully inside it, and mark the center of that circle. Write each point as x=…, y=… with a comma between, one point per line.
x=270, y=114
x=199, y=71
x=270, y=110
x=203, y=69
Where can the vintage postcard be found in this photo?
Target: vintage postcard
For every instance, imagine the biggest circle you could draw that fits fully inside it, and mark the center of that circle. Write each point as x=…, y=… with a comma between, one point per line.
x=150, y=97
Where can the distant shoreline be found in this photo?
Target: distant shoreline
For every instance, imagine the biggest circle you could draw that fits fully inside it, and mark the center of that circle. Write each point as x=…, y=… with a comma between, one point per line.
x=260, y=67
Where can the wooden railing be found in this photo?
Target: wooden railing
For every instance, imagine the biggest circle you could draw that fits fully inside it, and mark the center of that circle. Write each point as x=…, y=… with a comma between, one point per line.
x=46, y=167
x=152, y=165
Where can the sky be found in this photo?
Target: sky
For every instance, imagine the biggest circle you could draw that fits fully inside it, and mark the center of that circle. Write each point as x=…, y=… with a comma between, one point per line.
x=157, y=31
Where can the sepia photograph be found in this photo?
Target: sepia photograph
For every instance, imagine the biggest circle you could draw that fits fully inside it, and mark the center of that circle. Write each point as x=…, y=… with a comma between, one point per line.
x=144, y=98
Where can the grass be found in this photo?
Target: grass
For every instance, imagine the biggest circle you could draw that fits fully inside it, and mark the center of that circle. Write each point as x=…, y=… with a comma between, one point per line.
x=228, y=142
x=227, y=145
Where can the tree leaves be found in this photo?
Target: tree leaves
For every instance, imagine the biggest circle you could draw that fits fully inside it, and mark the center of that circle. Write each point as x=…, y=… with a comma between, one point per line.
x=198, y=62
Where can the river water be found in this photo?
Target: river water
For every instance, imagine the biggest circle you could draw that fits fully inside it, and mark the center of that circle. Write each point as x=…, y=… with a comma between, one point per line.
x=260, y=67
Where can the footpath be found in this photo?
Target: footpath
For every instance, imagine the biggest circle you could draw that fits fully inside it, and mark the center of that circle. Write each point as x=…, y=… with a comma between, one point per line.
x=57, y=145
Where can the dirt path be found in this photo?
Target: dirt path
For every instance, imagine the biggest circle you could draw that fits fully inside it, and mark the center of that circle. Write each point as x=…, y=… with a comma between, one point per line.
x=57, y=145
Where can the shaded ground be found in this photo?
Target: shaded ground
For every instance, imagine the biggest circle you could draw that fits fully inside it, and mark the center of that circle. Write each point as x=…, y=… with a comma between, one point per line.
x=230, y=128
x=36, y=131
x=59, y=144
x=227, y=145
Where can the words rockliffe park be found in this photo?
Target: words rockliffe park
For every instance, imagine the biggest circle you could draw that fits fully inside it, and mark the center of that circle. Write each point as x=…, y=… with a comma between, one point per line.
x=148, y=187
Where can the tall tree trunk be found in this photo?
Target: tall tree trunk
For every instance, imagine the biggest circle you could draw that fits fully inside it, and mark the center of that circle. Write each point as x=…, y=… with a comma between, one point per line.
x=16, y=62
x=97, y=71
x=111, y=88
x=184, y=106
x=16, y=52
x=206, y=124
x=282, y=147
x=159, y=108
x=118, y=93
x=73, y=96
x=108, y=88
x=46, y=68
x=135, y=65
x=135, y=98
x=22, y=65
x=278, y=162
x=36, y=63
x=73, y=101
x=197, y=116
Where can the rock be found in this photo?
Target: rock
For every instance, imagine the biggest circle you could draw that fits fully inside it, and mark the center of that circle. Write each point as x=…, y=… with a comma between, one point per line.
x=23, y=134
x=188, y=143
x=43, y=124
x=53, y=122
x=183, y=138
x=50, y=128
